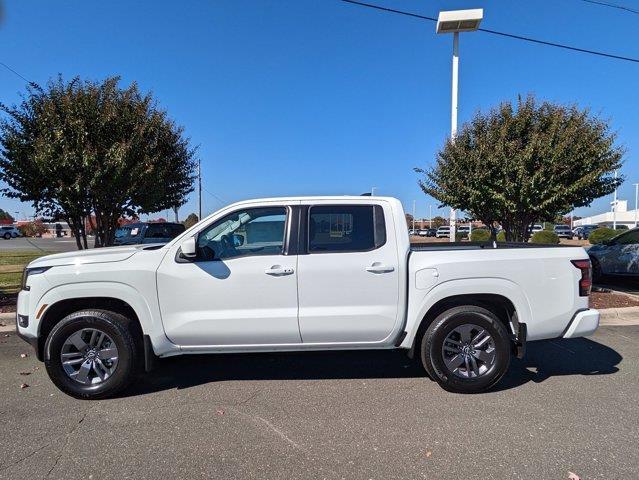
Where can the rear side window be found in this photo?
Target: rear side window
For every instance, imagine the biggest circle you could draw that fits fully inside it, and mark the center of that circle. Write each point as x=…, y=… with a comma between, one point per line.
x=345, y=228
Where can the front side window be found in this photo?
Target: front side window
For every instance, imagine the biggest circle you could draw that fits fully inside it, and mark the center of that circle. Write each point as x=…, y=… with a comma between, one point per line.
x=253, y=231
x=345, y=228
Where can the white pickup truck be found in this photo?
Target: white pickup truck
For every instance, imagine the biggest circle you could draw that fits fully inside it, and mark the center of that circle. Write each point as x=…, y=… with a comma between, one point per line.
x=309, y=273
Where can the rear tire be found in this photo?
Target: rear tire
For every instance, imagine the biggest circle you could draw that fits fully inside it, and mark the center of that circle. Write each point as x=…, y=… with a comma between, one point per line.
x=100, y=353
x=7, y=236
x=466, y=349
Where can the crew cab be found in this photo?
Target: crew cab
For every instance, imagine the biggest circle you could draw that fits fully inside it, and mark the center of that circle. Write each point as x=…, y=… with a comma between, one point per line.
x=293, y=274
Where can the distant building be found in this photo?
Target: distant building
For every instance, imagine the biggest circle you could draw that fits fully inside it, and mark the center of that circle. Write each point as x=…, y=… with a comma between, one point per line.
x=623, y=216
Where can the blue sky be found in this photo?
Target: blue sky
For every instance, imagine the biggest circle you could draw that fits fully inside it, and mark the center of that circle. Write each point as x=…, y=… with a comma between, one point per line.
x=322, y=97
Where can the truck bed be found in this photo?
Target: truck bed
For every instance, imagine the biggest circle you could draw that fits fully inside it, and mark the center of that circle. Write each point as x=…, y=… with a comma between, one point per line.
x=425, y=247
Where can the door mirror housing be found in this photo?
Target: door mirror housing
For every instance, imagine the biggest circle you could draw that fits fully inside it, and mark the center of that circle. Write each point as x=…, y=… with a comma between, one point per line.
x=238, y=240
x=189, y=248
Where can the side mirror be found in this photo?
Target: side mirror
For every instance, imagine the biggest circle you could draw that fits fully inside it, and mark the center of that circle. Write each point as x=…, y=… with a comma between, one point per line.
x=189, y=248
x=238, y=240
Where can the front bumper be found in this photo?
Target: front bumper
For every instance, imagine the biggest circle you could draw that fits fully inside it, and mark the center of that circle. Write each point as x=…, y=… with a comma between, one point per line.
x=583, y=324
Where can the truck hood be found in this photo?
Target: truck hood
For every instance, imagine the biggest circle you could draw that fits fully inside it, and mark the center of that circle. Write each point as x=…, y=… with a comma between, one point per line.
x=94, y=255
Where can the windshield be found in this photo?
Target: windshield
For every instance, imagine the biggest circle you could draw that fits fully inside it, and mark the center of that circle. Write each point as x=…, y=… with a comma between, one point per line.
x=127, y=231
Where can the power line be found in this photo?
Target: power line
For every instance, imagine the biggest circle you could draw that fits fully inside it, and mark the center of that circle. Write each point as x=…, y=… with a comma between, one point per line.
x=16, y=73
x=215, y=196
x=503, y=34
x=611, y=5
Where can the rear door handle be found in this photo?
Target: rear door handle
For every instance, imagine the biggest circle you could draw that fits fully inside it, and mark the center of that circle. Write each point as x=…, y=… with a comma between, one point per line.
x=377, y=267
x=279, y=270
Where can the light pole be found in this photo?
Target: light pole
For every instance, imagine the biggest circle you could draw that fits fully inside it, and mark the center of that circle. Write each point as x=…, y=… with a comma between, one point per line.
x=373, y=191
x=614, y=207
x=430, y=216
x=414, y=217
x=199, y=188
x=636, y=197
x=454, y=22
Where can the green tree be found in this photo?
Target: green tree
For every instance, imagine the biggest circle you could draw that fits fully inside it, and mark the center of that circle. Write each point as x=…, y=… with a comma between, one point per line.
x=191, y=220
x=5, y=216
x=527, y=162
x=93, y=152
x=439, y=222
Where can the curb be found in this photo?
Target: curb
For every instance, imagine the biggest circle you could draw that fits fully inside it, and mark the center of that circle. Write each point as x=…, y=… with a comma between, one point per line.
x=9, y=319
x=619, y=316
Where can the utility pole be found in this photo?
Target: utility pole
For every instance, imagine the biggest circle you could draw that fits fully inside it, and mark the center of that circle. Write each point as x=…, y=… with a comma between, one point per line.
x=199, y=188
x=373, y=191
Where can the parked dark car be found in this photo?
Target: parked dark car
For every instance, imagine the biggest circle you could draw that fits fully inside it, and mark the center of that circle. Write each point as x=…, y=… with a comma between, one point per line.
x=617, y=256
x=143, y=232
x=585, y=230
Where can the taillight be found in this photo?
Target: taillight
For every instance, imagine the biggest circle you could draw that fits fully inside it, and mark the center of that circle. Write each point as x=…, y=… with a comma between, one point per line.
x=585, y=282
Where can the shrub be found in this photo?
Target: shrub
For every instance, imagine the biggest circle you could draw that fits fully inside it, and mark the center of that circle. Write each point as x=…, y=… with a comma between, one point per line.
x=459, y=236
x=32, y=229
x=501, y=236
x=544, y=236
x=601, y=235
x=480, y=235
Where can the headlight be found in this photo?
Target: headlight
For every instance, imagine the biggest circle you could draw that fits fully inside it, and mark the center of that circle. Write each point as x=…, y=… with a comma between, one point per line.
x=31, y=271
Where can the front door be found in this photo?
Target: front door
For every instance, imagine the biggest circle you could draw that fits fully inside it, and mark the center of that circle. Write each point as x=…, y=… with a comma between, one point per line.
x=240, y=290
x=348, y=274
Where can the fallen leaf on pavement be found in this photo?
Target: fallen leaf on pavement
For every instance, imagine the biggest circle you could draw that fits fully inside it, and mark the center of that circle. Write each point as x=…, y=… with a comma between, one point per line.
x=220, y=412
x=25, y=373
x=2, y=324
x=573, y=476
x=23, y=355
x=24, y=385
x=428, y=453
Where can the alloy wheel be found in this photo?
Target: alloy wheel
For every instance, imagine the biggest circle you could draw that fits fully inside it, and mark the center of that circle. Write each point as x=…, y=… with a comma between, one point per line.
x=89, y=356
x=469, y=351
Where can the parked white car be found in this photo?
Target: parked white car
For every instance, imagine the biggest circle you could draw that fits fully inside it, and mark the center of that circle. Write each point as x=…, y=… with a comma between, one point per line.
x=443, y=232
x=310, y=273
x=563, y=231
x=9, y=231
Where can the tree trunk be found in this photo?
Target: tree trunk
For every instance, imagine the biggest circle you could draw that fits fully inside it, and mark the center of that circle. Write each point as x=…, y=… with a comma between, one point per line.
x=75, y=231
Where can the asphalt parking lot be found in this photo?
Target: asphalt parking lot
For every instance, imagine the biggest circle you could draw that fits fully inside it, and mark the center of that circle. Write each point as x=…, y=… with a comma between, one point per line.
x=570, y=406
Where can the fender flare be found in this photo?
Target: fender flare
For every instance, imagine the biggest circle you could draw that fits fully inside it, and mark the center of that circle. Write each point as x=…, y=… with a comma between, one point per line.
x=150, y=320
x=467, y=286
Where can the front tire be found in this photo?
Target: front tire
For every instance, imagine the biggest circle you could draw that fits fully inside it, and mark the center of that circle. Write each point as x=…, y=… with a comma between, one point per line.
x=466, y=349
x=7, y=236
x=92, y=354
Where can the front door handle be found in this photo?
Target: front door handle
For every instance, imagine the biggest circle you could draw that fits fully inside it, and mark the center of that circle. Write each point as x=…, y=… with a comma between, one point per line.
x=279, y=270
x=378, y=267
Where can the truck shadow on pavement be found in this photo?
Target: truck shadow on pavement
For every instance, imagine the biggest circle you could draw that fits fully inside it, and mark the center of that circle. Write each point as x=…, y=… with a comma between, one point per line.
x=543, y=360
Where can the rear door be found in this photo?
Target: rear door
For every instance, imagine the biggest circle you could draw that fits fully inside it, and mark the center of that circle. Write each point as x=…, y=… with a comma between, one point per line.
x=348, y=280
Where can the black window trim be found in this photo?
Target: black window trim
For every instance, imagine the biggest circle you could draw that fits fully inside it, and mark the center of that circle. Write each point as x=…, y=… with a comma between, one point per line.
x=306, y=240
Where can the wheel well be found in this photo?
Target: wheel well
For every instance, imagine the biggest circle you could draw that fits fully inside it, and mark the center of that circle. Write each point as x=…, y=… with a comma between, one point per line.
x=501, y=306
x=56, y=312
